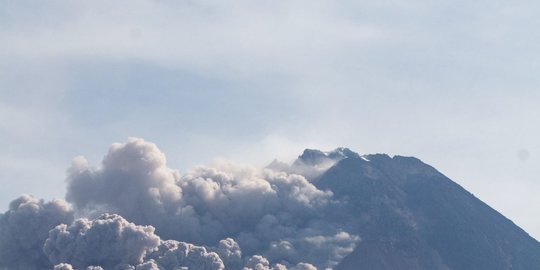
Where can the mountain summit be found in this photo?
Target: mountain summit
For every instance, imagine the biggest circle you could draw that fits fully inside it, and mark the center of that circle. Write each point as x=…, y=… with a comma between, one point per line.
x=315, y=157
x=410, y=216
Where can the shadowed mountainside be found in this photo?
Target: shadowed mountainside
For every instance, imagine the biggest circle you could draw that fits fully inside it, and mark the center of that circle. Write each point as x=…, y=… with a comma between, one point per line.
x=410, y=216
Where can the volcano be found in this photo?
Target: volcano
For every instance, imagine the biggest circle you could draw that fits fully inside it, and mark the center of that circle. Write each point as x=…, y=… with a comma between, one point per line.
x=411, y=216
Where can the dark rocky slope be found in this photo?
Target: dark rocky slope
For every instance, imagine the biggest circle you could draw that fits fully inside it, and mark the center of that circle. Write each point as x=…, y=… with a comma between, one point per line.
x=410, y=216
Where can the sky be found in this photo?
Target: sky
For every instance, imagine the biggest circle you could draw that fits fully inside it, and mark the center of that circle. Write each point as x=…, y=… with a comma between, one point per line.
x=452, y=83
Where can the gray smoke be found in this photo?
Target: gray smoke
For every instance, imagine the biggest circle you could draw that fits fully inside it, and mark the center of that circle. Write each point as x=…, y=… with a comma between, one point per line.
x=272, y=213
x=149, y=265
x=230, y=253
x=67, y=266
x=258, y=262
x=137, y=213
x=63, y=266
x=172, y=254
x=133, y=181
x=107, y=241
x=305, y=266
x=24, y=228
x=113, y=243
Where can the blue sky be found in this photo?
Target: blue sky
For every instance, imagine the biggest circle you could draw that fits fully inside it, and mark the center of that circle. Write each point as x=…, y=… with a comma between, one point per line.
x=453, y=83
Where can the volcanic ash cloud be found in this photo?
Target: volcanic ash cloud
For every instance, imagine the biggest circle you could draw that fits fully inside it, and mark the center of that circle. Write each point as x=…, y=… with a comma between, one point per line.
x=137, y=213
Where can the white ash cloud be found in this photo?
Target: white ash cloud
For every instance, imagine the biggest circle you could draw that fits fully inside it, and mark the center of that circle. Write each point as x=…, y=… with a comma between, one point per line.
x=24, y=228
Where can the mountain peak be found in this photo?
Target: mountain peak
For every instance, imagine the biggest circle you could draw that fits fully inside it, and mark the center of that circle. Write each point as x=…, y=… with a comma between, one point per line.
x=315, y=157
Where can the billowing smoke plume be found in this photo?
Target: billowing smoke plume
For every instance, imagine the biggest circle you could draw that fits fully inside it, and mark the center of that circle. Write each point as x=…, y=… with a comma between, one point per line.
x=268, y=212
x=63, y=266
x=227, y=217
x=67, y=266
x=209, y=204
x=24, y=228
x=111, y=242
x=108, y=241
x=172, y=254
x=133, y=181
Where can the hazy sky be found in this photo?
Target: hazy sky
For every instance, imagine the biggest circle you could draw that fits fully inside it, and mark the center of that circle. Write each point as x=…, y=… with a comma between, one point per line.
x=453, y=83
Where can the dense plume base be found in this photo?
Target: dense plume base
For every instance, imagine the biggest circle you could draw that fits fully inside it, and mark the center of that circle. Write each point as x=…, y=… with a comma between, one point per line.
x=136, y=213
